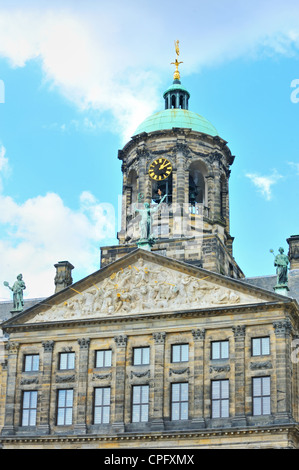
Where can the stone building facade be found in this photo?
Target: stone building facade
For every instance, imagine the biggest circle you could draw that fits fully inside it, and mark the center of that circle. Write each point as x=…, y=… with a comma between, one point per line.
x=170, y=347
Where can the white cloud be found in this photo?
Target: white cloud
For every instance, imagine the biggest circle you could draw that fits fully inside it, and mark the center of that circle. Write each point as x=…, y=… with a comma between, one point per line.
x=4, y=167
x=43, y=231
x=106, y=55
x=295, y=166
x=264, y=183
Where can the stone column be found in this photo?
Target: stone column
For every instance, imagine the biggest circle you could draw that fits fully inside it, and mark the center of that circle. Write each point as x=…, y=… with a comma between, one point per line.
x=239, y=419
x=45, y=394
x=12, y=349
x=181, y=189
x=120, y=378
x=198, y=411
x=159, y=367
x=63, y=277
x=283, y=331
x=80, y=426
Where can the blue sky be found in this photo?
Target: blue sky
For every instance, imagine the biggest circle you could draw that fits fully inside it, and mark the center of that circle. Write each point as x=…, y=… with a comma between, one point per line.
x=78, y=78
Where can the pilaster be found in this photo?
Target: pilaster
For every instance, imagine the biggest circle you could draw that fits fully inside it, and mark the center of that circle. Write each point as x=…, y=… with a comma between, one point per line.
x=158, y=408
x=80, y=426
x=12, y=349
x=44, y=425
x=239, y=418
x=198, y=411
x=120, y=377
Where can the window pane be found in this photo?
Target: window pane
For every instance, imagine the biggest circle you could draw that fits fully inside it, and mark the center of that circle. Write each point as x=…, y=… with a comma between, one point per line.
x=224, y=350
x=215, y=390
x=257, y=389
x=266, y=385
x=35, y=362
x=175, y=411
x=69, y=398
x=26, y=399
x=175, y=392
x=144, y=394
x=98, y=396
x=60, y=416
x=71, y=360
x=33, y=399
x=256, y=347
x=184, y=410
x=61, y=398
x=106, y=413
x=216, y=409
x=224, y=389
x=137, y=356
x=144, y=413
x=100, y=359
x=185, y=352
x=32, y=420
x=135, y=413
x=175, y=353
x=257, y=406
x=224, y=408
x=28, y=363
x=25, y=418
x=266, y=405
x=68, y=416
x=216, y=350
x=106, y=396
x=265, y=346
x=108, y=357
x=146, y=356
x=63, y=361
x=136, y=394
x=184, y=392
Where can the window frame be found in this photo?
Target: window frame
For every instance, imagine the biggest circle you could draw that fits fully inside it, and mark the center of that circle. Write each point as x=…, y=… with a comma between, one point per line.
x=261, y=397
x=65, y=407
x=139, y=405
x=220, y=342
x=31, y=356
x=221, y=399
x=68, y=354
x=180, y=402
x=180, y=346
x=104, y=352
x=101, y=406
x=261, y=347
x=142, y=349
x=30, y=409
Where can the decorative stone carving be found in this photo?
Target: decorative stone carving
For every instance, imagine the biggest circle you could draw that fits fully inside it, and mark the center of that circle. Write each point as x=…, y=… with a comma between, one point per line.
x=179, y=371
x=282, y=327
x=102, y=376
x=159, y=337
x=140, y=374
x=48, y=345
x=141, y=288
x=84, y=343
x=65, y=378
x=12, y=348
x=198, y=334
x=219, y=368
x=261, y=365
x=121, y=340
x=239, y=331
x=29, y=381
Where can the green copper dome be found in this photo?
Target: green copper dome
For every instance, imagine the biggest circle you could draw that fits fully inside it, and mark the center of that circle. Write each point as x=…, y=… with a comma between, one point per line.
x=174, y=117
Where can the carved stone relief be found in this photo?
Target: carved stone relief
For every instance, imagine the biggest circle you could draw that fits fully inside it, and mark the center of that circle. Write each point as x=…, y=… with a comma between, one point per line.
x=140, y=288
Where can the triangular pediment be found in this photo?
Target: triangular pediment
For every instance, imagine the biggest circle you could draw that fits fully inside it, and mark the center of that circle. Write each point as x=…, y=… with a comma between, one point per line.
x=143, y=283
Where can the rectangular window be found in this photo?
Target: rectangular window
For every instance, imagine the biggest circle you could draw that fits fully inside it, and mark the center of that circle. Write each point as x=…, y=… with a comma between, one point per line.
x=141, y=356
x=220, y=398
x=261, y=396
x=179, y=401
x=65, y=407
x=104, y=358
x=180, y=353
x=220, y=350
x=260, y=346
x=29, y=408
x=67, y=360
x=140, y=403
x=102, y=405
x=31, y=362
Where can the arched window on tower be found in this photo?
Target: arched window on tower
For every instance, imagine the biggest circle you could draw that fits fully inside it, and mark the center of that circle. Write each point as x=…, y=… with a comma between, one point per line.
x=173, y=101
x=132, y=188
x=197, y=187
x=181, y=102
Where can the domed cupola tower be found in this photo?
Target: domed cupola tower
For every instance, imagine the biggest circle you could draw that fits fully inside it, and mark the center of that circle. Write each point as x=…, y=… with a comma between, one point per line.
x=178, y=167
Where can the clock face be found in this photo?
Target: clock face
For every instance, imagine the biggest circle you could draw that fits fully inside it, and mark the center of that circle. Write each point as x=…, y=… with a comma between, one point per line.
x=160, y=169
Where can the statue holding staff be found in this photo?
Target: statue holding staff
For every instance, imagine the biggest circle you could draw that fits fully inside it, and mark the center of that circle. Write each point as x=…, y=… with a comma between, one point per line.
x=17, y=289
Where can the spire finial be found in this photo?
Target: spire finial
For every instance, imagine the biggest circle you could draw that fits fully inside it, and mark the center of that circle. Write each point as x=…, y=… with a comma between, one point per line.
x=176, y=75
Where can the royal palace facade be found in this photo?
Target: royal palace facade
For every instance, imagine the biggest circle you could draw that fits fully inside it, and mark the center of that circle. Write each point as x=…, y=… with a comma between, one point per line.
x=167, y=345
